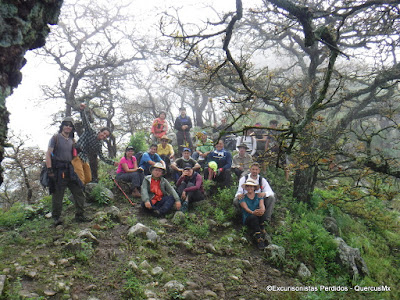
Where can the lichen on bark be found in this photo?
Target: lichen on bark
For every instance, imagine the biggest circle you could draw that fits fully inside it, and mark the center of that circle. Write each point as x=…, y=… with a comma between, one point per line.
x=23, y=27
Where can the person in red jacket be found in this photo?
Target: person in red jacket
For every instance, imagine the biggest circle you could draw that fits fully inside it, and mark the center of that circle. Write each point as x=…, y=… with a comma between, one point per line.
x=190, y=187
x=159, y=127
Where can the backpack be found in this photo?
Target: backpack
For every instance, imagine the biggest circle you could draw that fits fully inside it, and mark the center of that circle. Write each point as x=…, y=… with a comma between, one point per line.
x=138, y=157
x=44, y=178
x=260, y=178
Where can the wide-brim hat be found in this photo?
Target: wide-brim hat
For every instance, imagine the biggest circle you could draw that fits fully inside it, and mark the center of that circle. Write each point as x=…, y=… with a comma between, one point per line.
x=68, y=119
x=243, y=146
x=165, y=137
x=252, y=183
x=158, y=165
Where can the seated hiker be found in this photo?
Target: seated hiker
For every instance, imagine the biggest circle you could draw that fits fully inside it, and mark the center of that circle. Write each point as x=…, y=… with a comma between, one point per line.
x=128, y=171
x=249, y=140
x=149, y=159
x=264, y=190
x=253, y=212
x=218, y=165
x=166, y=152
x=241, y=161
x=159, y=127
x=203, y=147
x=178, y=164
x=158, y=195
x=190, y=187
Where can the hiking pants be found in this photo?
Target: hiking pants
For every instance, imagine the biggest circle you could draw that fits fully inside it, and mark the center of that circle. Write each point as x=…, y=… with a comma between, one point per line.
x=82, y=169
x=254, y=223
x=135, y=178
x=58, y=195
x=193, y=196
x=163, y=206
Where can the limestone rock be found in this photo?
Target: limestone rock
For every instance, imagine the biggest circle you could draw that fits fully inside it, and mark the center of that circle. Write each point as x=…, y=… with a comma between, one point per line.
x=209, y=293
x=145, y=265
x=303, y=272
x=174, y=285
x=137, y=229
x=189, y=295
x=152, y=236
x=3, y=279
x=179, y=218
x=330, y=225
x=351, y=259
x=114, y=213
x=157, y=271
x=88, y=236
x=275, y=253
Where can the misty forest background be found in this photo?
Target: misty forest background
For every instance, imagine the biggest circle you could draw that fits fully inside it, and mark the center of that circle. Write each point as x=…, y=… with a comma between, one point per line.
x=326, y=70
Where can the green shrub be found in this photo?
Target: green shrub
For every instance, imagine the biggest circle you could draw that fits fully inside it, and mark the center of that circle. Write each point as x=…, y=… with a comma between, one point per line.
x=15, y=216
x=133, y=287
x=138, y=141
x=100, y=195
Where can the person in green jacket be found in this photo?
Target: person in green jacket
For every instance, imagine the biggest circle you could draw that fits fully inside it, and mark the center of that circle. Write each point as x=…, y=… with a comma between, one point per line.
x=158, y=196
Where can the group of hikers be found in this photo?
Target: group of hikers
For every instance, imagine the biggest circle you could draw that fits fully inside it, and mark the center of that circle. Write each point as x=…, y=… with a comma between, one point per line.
x=151, y=175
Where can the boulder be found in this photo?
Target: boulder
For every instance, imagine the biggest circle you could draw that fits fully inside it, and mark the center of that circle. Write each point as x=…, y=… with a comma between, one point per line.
x=351, y=259
x=331, y=226
x=174, y=285
x=275, y=253
x=2, y=283
x=303, y=272
x=114, y=213
x=88, y=236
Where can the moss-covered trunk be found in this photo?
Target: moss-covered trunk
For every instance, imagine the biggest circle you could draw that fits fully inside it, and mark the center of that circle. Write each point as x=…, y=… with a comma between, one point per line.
x=23, y=27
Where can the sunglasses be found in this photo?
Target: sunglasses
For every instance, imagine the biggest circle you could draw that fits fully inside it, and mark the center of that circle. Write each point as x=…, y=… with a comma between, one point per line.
x=68, y=125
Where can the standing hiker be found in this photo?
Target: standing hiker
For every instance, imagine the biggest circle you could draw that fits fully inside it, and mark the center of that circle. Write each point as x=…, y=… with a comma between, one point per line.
x=89, y=143
x=183, y=124
x=61, y=172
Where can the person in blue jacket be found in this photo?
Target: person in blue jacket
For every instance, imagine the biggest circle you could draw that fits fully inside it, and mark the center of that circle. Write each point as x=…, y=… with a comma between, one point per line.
x=218, y=165
x=149, y=159
x=182, y=125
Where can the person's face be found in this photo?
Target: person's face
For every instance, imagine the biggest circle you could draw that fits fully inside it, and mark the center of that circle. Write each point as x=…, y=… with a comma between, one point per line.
x=67, y=127
x=188, y=172
x=162, y=116
x=129, y=153
x=204, y=138
x=183, y=113
x=254, y=170
x=153, y=150
x=186, y=154
x=156, y=172
x=220, y=145
x=163, y=142
x=249, y=188
x=273, y=125
x=242, y=151
x=103, y=135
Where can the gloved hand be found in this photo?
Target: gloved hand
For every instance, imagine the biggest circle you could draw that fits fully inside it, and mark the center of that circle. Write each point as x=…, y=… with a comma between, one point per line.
x=50, y=172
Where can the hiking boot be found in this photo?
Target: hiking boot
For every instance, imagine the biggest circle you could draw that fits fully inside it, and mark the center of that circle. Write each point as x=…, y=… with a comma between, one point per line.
x=82, y=219
x=157, y=213
x=185, y=206
x=57, y=222
x=136, y=193
x=259, y=240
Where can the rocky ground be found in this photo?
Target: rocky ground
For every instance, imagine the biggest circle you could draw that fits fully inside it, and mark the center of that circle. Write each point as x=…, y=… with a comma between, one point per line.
x=109, y=258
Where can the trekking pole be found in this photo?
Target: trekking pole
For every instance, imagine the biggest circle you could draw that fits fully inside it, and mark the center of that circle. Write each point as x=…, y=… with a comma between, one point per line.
x=120, y=188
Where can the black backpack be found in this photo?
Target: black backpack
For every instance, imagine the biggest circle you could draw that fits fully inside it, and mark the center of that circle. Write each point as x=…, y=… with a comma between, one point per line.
x=260, y=178
x=44, y=178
